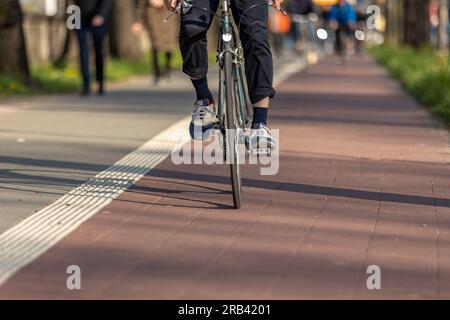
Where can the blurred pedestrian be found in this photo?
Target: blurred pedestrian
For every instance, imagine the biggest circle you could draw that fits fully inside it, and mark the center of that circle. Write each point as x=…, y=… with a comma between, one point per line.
x=163, y=36
x=94, y=21
x=279, y=26
x=298, y=8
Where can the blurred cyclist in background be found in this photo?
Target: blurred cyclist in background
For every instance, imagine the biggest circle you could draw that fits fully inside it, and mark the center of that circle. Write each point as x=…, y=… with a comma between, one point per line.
x=343, y=21
x=360, y=33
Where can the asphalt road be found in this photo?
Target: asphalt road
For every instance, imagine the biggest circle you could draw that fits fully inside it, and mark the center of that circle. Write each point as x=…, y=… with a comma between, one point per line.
x=50, y=145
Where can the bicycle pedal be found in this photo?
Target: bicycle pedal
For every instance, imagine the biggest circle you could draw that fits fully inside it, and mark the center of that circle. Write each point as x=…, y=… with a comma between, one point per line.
x=257, y=152
x=267, y=152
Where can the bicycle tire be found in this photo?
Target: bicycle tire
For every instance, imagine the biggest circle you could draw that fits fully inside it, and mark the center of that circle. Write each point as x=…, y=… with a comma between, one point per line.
x=232, y=140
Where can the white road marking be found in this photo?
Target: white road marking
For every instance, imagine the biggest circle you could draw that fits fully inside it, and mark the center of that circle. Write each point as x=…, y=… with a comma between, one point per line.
x=32, y=237
x=26, y=241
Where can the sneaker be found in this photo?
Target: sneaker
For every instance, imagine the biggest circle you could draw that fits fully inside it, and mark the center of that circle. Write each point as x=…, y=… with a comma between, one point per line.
x=203, y=120
x=260, y=140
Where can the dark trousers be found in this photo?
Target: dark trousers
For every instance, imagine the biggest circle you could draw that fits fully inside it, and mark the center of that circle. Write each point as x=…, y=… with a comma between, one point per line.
x=254, y=37
x=98, y=36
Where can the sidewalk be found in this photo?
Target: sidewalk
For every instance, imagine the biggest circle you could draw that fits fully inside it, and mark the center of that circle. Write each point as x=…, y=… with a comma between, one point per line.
x=364, y=180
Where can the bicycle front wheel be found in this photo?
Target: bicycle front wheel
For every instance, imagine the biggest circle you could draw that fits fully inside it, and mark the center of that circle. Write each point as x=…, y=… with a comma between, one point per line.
x=232, y=134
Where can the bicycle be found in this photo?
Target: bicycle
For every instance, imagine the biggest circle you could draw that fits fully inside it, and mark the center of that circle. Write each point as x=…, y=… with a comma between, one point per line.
x=234, y=110
x=343, y=35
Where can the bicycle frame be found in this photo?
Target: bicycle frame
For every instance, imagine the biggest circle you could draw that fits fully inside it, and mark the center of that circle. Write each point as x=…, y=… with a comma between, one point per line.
x=228, y=41
x=234, y=108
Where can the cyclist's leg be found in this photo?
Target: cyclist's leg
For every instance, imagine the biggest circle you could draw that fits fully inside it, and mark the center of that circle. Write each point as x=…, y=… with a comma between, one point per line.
x=338, y=42
x=255, y=41
x=193, y=45
x=258, y=65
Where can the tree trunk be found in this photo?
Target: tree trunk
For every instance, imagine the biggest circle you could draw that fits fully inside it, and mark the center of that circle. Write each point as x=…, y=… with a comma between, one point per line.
x=417, y=23
x=61, y=59
x=443, y=23
x=122, y=43
x=408, y=22
x=448, y=24
x=13, y=56
x=394, y=21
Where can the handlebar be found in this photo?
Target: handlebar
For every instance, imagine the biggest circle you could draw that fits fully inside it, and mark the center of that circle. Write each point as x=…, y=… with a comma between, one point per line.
x=184, y=6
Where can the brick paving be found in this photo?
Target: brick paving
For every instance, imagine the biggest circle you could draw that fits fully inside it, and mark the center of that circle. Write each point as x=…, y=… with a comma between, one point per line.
x=364, y=180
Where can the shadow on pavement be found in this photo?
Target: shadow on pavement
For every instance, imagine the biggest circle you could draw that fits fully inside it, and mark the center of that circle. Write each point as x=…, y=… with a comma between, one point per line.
x=304, y=188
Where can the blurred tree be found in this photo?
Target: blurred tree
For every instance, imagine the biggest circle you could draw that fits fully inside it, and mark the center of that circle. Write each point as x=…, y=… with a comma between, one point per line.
x=122, y=42
x=417, y=22
x=61, y=60
x=13, y=53
x=408, y=22
x=394, y=21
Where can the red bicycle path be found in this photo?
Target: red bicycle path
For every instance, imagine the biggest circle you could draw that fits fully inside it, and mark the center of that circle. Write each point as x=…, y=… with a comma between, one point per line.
x=363, y=180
